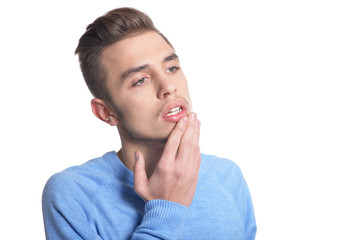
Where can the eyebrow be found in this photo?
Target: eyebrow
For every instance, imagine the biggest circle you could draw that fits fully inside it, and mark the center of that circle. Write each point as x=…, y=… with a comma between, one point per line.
x=171, y=57
x=133, y=70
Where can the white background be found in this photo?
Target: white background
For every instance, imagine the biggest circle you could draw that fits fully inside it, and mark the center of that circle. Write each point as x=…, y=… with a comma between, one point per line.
x=276, y=85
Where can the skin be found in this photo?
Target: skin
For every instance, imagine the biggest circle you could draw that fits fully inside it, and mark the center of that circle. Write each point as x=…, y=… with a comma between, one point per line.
x=143, y=78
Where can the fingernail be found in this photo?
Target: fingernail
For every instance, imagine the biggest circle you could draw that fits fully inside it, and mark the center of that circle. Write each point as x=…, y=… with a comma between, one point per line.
x=193, y=116
x=136, y=155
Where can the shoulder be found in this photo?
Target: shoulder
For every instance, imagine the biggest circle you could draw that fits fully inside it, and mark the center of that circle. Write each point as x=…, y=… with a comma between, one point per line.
x=220, y=166
x=222, y=170
x=79, y=181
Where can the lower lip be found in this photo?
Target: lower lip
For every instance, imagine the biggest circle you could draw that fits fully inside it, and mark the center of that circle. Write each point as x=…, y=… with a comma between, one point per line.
x=175, y=118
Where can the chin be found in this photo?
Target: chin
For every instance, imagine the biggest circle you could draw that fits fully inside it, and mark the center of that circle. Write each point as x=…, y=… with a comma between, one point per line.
x=159, y=134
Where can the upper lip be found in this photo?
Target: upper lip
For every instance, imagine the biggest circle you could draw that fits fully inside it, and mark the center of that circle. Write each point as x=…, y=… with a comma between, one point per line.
x=177, y=103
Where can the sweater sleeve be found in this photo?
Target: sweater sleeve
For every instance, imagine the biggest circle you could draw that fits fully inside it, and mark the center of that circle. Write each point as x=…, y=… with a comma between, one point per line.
x=244, y=199
x=68, y=214
x=162, y=220
x=231, y=177
x=65, y=216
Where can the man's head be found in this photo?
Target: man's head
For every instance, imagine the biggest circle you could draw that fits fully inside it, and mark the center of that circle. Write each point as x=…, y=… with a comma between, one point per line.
x=134, y=74
x=115, y=25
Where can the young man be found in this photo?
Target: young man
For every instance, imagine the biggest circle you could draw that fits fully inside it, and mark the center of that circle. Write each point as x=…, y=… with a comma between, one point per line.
x=158, y=185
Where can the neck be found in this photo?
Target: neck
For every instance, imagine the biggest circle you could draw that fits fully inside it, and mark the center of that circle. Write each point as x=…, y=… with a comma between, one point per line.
x=152, y=151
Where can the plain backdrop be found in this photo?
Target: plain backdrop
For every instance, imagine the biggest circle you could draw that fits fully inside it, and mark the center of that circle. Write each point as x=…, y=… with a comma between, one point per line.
x=276, y=85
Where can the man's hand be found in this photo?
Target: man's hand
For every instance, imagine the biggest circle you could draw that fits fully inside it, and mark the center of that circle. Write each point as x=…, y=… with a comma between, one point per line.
x=176, y=175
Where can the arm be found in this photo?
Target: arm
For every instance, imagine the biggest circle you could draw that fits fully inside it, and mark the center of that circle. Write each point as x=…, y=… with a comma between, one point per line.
x=173, y=181
x=244, y=200
x=68, y=216
x=251, y=227
x=65, y=215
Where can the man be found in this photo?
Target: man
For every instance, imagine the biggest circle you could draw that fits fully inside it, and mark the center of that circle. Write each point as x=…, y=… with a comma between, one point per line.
x=158, y=185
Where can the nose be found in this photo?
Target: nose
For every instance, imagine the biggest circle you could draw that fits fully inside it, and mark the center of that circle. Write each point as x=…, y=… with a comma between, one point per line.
x=166, y=87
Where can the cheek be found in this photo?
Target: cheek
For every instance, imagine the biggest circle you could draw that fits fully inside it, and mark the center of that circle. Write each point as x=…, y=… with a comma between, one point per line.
x=136, y=107
x=185, y=91
x=183, y=87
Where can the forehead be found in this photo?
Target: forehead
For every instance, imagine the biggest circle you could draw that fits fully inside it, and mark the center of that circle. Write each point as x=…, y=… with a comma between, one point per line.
x=145, y=48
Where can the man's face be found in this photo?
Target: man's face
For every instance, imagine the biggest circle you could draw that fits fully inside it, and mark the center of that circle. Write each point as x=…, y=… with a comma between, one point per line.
x=147, y=86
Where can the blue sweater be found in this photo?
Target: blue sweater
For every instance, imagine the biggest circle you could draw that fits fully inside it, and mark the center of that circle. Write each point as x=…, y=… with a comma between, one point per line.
x=96, y=201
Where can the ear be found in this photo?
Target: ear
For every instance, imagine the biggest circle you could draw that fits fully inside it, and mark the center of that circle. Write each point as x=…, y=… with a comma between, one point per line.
x=103, y=112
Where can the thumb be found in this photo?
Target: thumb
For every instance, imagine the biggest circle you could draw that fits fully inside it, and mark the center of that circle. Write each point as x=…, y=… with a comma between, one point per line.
x=140, y=176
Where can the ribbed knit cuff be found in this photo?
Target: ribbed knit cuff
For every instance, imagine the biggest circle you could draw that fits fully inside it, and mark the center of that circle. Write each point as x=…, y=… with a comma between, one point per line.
x=164, y=217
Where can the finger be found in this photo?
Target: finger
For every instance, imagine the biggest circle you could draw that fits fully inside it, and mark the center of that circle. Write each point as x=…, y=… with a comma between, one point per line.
x=140, y=175
x=171, y=147
x=197, y=132
x=195, y=148
x=187, y=141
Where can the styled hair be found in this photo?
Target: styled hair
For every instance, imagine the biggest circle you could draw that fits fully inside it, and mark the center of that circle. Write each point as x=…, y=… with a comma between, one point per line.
x=115, y=25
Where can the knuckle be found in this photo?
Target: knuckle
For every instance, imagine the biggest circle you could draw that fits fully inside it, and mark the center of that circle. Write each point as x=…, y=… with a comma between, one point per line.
x=137, y=168
x=187, y=144
x=179, y=173
x=164, y=169
x=178, y=130
x=180, y=127
x=191, y=126
x=172, y=143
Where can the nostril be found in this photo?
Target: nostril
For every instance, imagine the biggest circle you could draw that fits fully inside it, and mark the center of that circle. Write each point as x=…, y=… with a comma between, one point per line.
x=167, y=91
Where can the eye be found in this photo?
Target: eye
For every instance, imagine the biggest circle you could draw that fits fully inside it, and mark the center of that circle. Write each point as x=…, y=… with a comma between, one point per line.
x=172, y=69
x=141, y=81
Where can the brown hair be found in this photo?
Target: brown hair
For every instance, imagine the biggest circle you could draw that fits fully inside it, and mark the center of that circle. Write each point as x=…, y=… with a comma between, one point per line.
x=115, y=25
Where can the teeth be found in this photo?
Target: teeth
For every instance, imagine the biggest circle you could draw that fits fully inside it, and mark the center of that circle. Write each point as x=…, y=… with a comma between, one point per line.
x=174, y=111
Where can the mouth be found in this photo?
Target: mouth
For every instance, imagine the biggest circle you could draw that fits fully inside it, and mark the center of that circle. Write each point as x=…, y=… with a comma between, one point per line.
x=174, y=111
